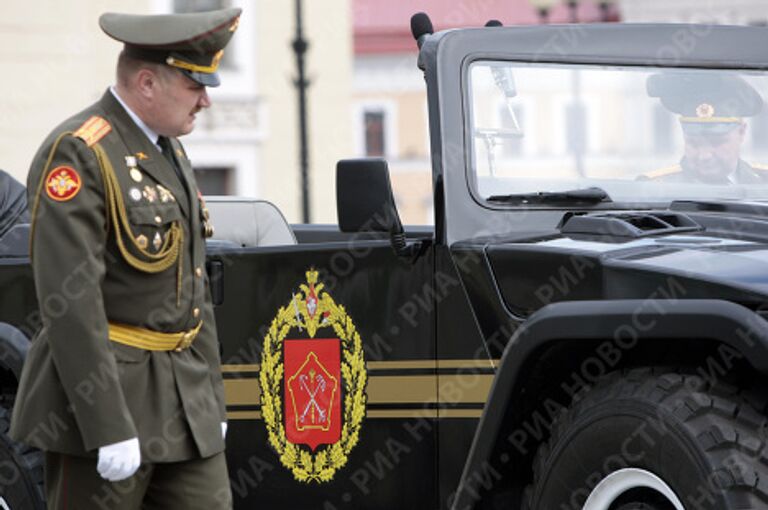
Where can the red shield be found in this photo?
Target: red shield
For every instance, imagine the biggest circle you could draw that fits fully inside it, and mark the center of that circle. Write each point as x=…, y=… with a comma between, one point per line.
x=312, y=380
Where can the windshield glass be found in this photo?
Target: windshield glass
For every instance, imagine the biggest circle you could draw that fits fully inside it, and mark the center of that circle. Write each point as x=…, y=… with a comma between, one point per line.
x=641, y=134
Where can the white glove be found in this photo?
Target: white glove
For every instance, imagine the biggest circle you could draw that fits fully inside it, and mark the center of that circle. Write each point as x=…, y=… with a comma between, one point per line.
x=120, y=460
x=223, y=430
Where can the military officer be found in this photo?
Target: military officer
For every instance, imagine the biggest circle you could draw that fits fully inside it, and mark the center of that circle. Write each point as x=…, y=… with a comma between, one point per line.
x=711, y=110
x=13, y=203
x=125, y=371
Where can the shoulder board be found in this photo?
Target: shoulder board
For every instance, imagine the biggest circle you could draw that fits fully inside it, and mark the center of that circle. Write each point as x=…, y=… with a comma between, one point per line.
x=661, y=172
x=93, y=130
x=759, y=166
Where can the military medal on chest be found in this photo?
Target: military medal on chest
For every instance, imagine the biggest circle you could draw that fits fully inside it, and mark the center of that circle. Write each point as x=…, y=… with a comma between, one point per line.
x=150, y=193
x=136, y=175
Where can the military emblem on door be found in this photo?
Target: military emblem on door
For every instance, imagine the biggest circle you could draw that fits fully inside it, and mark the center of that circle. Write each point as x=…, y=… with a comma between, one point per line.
x=313, y=381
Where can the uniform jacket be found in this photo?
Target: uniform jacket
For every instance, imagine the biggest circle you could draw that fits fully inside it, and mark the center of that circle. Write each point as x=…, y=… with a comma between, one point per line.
x=745, y=174
x=79, y=390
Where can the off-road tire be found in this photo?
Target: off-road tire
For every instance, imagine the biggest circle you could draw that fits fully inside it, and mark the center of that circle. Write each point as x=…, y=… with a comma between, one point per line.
x=707, y=441
x=21, y=472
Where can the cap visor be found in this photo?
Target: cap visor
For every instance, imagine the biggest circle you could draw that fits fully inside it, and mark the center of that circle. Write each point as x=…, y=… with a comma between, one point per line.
x=207, y=79
x=708, y=128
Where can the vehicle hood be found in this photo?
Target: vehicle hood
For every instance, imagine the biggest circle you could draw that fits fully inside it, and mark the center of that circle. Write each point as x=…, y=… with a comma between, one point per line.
x=534, y=273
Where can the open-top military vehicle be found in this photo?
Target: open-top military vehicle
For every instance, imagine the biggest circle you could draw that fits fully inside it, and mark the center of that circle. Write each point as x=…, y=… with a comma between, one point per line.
x=579, y=330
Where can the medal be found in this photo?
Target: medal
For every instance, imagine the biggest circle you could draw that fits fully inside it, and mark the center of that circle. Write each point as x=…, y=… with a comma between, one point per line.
x=136, y=174
x=150, y=193
x=141, y=241
x=157, y=241
x=135, y=194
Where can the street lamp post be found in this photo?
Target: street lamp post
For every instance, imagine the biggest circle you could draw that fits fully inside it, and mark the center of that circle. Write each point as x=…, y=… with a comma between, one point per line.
x=300, y=46
x=573, y=8
x=605, y=9
x=543, y=8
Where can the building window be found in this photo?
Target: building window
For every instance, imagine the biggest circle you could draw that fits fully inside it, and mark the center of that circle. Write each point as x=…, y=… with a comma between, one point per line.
x=576, y=126
x=512, y=146
x=215, y=180
x=663, y=137
x=375, y=133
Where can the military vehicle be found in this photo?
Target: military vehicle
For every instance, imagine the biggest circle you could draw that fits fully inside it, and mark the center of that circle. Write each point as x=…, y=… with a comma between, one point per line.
x=584, y=327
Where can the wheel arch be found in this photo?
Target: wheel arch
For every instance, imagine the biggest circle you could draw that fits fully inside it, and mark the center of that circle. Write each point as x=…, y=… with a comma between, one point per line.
x=14, y=346
x=576, y=327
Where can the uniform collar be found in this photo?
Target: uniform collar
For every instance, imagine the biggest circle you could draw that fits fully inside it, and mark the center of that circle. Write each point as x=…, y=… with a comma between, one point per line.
x=151, y=135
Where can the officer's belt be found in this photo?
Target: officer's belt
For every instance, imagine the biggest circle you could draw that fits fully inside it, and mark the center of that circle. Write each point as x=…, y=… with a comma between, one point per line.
x=152, y=340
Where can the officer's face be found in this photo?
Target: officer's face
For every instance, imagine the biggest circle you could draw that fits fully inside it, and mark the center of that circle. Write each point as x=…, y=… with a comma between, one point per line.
x=177, y=100
x=713, y=156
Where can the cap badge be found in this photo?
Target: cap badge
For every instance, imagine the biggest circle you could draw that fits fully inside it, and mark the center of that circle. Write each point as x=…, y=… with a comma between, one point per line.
x=705, y=111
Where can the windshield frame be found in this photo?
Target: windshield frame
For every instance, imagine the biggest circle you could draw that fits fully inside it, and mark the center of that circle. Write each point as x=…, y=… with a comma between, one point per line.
x=467, y=108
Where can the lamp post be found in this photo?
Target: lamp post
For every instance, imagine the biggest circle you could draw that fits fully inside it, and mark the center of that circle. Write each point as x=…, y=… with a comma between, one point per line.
x=543, y=7
x=605, y=9
x=573, y=8
x=300, y=46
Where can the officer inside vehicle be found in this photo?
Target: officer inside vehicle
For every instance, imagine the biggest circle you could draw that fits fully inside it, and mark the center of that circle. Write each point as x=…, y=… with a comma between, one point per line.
x=711, y=112
x=13, y=203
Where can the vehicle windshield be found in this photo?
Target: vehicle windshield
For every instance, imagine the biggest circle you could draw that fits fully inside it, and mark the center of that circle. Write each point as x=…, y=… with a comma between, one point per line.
x=640, y=134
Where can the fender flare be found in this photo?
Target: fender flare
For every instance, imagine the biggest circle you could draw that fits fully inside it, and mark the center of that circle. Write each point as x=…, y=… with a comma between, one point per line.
x=14, y=346
x=710, y=319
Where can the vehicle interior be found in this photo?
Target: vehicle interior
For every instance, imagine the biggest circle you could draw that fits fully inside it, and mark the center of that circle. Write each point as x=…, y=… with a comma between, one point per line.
x=239, y=222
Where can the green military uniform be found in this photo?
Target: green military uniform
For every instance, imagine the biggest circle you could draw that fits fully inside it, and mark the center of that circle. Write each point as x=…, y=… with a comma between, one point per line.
x=128, y=346
x=708, y=106
x=745, y=173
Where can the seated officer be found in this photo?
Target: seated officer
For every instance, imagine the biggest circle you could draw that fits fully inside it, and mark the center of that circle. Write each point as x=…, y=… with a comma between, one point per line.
x=125, y=370
x=13, y=203
x=712, y=111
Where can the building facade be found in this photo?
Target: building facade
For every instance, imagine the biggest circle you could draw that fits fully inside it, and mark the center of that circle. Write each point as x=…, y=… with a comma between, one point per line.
x=728, y=12
x=58, y=61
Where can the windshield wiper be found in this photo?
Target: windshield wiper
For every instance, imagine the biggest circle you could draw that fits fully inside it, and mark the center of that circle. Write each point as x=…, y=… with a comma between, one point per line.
x=588, y=195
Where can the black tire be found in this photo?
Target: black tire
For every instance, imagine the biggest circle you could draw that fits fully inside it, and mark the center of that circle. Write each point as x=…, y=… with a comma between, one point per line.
x=21, y=472
x=706, y=442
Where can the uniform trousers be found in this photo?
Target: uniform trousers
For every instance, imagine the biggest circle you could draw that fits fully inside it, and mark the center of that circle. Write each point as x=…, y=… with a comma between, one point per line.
x=72, y=483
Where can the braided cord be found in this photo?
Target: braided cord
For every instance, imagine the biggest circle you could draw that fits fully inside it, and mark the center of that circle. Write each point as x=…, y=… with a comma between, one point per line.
x=169, y=253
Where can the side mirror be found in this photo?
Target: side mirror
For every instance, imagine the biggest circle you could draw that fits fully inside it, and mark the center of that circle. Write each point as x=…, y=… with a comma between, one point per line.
x=365, y=203
x=364, y=200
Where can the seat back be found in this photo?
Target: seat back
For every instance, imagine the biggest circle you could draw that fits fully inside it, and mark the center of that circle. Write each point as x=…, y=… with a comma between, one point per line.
x=15, y=242
x=248, y=222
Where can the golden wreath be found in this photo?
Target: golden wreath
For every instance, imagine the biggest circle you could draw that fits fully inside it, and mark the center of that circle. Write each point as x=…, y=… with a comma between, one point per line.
x=323, y=464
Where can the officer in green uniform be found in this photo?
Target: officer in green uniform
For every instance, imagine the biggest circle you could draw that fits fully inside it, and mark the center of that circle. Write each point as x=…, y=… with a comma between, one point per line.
x=711, y=110
x=122, y=385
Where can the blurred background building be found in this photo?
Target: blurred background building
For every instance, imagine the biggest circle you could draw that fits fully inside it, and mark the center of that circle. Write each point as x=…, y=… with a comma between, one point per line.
x=58, y=61
x=366, y=96
x=724, y=12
